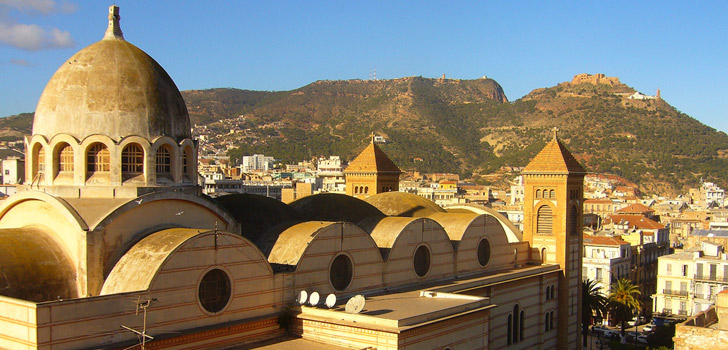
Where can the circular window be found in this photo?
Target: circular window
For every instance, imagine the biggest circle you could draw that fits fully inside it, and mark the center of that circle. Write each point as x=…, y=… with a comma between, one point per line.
x=214, y=291
x=422, y=261
x=483, y=252
x=341, y=272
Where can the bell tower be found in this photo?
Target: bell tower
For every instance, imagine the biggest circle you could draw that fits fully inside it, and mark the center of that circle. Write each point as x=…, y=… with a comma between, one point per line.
x=553, y=224
x=371, y=172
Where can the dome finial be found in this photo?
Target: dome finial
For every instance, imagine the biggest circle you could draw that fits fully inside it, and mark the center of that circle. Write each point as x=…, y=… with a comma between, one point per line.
x=114, y=29
x=556, y=132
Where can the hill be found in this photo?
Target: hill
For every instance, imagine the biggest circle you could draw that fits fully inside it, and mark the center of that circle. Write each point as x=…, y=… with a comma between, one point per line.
x=462, y=126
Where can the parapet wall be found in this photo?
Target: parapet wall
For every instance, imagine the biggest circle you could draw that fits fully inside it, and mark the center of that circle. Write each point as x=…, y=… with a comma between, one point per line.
x=696, y=333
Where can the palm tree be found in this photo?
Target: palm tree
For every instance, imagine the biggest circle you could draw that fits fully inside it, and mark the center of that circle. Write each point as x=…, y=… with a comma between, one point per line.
x=593, y=305
x=624, y=299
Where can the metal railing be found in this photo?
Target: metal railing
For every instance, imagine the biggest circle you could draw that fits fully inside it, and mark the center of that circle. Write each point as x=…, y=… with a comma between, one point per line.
x=699, y=276
x=682, y=293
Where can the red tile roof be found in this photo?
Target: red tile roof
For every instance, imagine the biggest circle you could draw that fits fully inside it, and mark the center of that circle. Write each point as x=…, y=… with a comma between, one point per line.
x=603, y=240
x=636, y=208
x=638, y=221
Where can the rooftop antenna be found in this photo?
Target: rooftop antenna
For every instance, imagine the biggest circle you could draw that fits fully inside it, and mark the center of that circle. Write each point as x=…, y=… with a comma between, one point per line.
x=143, y=336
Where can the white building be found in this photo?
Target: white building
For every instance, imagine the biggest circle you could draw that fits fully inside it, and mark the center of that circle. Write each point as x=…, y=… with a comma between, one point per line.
x=605, y=260
x=257, y=162
x=688, y=282
x=13, y=170
x=517, y=191
x=331, y=173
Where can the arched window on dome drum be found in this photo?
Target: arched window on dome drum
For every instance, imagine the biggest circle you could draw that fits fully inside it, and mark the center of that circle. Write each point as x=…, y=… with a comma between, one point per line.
x=187, y=164
x=132, y=161
x=38, y=164
x=164, y=161
x=97, y=158
x=545, y=221
x=65, y=158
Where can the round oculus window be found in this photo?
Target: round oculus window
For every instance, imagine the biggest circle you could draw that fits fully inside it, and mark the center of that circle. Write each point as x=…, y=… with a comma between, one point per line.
x=483, y=252
x=422, y=261
x=341, y=272
x=214, y=291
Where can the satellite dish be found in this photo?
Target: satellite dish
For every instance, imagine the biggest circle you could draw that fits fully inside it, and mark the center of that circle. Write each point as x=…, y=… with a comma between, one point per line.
x=302, y=296
x=355, y=304
x=313, y=300
x=330, y=300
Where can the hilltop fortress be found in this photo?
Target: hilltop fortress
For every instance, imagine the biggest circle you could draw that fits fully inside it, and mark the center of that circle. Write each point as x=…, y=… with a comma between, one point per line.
x=595, y=79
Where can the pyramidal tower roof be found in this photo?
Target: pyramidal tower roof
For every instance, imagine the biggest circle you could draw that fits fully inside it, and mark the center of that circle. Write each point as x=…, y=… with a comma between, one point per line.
x=372, y=159
x=554, y=158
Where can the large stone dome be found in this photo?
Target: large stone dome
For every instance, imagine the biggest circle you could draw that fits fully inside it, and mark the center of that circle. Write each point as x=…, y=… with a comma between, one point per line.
x=112, y=88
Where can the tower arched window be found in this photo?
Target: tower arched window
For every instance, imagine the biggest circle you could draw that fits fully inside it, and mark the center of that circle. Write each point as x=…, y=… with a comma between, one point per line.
x=538, y=193
x=552, y=194
x=544, y=221
x=521, y=320
x=516, y=326
x=574, y=220
x=509, y=338
x=97, y=158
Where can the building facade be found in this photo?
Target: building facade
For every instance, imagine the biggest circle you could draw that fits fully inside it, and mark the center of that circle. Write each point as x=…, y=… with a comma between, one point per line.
x=688, y=282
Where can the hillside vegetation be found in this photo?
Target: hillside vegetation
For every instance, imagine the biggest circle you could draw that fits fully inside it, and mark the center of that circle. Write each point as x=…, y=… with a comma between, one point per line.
x=469, y=127
x=463, y=126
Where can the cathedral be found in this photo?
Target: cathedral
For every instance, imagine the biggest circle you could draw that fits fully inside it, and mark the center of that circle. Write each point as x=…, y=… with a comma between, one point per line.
x=111, y=245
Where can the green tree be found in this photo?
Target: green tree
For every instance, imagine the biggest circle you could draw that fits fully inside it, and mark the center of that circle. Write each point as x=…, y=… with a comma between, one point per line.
x=593, y=305
x=624, y=300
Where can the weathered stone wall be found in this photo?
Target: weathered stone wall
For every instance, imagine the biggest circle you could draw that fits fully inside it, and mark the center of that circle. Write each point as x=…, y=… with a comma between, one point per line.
x=695, y=333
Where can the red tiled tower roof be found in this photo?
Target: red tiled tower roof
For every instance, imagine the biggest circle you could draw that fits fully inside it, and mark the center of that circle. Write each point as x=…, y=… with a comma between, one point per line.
x=372, y=159
x=554, y=158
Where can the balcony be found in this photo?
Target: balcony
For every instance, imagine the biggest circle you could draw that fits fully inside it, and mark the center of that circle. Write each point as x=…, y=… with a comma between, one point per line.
x=682, y=312
x=702, y=277
x=667, y=311
x=681, y=293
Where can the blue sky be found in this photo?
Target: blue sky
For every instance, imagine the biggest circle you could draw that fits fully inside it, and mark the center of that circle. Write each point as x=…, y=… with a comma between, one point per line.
x=678, y=47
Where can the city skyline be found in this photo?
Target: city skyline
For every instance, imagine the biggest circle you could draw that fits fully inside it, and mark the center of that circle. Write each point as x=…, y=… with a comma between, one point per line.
x=673, y=47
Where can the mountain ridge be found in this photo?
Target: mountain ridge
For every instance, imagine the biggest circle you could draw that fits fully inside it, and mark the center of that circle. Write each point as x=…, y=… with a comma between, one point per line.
x=468, y=127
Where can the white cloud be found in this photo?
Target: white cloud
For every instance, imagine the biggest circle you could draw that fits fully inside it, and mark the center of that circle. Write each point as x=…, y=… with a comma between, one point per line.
x=43, y=6
x=33, y=37
x=20, y=62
